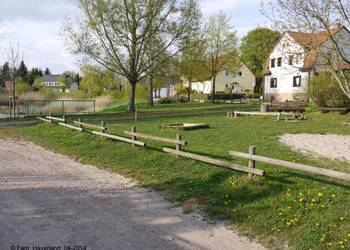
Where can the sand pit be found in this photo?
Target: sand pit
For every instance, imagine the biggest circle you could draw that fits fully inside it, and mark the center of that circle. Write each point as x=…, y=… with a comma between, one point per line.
x=335, y=147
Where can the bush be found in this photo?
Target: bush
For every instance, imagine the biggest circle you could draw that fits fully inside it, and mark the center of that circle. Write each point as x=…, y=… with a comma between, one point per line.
x=182, y=99
x=199, y=97
x=324, y=91
x=167, y=100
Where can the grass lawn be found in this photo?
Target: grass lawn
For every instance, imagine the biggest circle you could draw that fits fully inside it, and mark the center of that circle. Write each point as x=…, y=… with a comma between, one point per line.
x=144, y=107
x=284, y=208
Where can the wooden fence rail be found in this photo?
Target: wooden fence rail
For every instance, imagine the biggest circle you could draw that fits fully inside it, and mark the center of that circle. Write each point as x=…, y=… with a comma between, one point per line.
x=70, y=126
x=291, y=165
x=53, y=118
x=119, y=138
x=134, y=135
x=81, y=124
x=42, y=119
x=215, y=162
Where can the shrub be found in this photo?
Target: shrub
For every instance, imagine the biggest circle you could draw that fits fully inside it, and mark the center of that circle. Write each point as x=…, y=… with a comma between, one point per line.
x=199, y=97
x=324, y=91
x=167, y=100
x=182, y=99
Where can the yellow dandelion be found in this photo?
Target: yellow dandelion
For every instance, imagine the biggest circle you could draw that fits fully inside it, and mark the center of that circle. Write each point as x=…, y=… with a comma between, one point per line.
x=320, y=194
x=342, y=218
x=348, y=234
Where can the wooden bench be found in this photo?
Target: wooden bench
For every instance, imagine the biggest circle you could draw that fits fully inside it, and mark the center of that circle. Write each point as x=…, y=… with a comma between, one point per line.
x=295, y=107
x=342, y=111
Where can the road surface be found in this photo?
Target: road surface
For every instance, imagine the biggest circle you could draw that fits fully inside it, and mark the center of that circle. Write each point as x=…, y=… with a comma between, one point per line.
x=48, y=200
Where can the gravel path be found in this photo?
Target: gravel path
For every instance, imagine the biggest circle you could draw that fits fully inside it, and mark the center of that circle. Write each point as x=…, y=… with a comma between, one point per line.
x=336, y=147
x=47, y=199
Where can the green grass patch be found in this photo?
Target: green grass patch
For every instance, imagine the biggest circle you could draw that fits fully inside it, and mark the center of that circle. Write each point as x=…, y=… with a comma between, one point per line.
x=285, y=207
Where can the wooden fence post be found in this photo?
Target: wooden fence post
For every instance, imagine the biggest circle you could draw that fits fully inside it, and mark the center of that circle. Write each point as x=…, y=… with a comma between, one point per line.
x=81, y=126
x=178, y=146
x=133, y=138
x=103, y=125
x=252, y=163
x=50, y=118
x=136, y=115
x=64, y=119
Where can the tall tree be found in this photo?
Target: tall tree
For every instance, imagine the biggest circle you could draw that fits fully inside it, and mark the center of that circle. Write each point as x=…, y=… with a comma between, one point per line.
x=47, y=71
x=256, y=47
x=221, y=46
x=193, y=66
x=22, y=71
x=114, y=33
x=315, y=16
x=4, y=74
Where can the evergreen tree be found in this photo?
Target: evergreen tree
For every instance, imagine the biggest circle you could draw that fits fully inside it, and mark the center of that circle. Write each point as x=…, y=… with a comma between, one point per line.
x=47, y=71
x=23, y=71
x=4, y=74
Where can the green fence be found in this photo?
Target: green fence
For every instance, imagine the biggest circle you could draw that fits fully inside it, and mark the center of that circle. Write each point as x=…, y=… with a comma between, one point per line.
x=59, y=107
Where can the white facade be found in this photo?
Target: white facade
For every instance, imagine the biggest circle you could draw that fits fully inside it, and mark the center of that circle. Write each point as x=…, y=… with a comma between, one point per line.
x=241, y=81
x=285, y=64
x=295, y=59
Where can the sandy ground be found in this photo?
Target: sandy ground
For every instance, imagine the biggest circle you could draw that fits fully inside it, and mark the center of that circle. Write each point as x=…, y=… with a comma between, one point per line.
x=48, y=199
x=336, y=147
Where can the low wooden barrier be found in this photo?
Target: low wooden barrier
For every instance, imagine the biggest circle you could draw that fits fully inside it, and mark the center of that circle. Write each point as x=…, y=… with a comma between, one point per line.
x=53, y=118
x=70, y=126
x=296, y=166
x=234, y=114
x=42, y=119
x=119, y=138
x=215, y=162
x=178, y=141
x=82, y=124
x=342, y=111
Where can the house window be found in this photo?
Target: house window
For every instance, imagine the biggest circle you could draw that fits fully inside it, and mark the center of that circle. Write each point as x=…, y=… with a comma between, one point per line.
x=239, y=73
x=273, y=83
x=273, y=62
x=296, y=81
x=279, y=62
x=227, y=73
x=226, y=86
x=290, y=60
x=299, y=57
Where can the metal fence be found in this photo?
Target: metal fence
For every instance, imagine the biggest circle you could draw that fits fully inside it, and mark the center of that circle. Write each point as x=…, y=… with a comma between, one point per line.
x=59, y=107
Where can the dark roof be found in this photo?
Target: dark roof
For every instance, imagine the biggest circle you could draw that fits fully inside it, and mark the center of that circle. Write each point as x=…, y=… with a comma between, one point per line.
x=54, y=78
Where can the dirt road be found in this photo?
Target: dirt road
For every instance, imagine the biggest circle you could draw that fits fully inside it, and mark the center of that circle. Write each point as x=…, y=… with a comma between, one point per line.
x=47, y=199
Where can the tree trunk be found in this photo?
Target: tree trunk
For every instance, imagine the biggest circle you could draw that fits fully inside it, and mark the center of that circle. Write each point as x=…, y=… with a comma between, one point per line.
x=132, y=95
x=150, y=97
x=213, y=89
x=189, y=90
x=159, y=89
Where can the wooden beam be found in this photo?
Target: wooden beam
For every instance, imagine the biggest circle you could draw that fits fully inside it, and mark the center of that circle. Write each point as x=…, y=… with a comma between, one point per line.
x=215, y=162
x=43, y=119
x=295, y=166
x=156, y=138
x=263, y=113
x=70, y=126
x=119, y=138
x=92, y=126
x=55, y=118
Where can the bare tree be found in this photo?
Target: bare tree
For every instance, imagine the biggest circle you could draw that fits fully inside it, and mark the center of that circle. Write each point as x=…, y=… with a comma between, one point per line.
x=326, y=21
x=14, y=57
x=220, y=46
x=115, y=33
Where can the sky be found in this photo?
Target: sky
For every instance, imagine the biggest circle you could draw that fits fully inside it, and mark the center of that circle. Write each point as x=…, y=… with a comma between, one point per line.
x=35, y=26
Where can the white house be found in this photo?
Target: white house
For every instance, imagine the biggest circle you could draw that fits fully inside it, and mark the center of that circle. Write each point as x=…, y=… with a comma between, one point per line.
x=243, y=80
x=53, y=81
x=294, y=60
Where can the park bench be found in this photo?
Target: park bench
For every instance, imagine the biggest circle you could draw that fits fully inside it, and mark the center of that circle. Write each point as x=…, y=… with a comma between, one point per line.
x=342, y=111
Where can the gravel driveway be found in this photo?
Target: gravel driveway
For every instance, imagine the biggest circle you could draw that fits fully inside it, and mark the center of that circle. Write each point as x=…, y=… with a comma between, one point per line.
x=48, y=200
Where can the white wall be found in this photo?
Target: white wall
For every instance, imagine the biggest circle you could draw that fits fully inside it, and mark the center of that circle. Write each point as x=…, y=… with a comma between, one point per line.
x=284, y=74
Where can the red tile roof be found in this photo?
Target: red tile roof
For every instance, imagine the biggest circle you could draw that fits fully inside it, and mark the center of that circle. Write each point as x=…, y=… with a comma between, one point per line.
x=310, y=41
